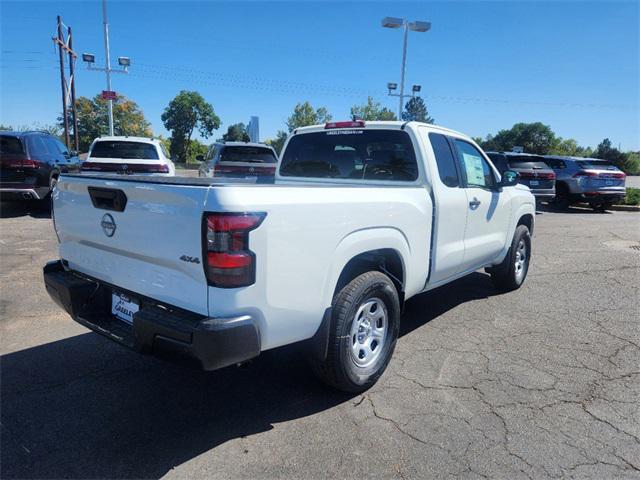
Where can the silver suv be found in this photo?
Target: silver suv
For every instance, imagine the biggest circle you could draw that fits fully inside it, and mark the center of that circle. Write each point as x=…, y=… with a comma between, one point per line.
x=596, y=182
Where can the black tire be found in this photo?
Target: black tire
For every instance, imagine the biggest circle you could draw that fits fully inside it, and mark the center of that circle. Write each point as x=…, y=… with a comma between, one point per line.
x=601, y=207
x=562, y=200
x=507, y=276
x=340, y=369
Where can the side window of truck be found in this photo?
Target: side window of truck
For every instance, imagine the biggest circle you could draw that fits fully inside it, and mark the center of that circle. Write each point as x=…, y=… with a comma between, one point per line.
x=475, y=168
x=444, y=159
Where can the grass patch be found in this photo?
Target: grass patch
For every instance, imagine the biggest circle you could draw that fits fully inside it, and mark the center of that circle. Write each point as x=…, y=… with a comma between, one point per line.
x=632, y=197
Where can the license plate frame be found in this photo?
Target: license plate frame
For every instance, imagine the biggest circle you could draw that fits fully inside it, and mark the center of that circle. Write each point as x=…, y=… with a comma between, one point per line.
x=123, y=307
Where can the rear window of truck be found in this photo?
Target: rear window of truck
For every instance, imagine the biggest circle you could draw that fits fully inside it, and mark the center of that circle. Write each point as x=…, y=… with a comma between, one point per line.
x=247, y=154
x=351, y=154
x=125, y=150
x=10, y=145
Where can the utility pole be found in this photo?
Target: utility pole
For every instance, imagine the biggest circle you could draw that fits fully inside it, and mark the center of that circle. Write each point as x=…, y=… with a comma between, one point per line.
x=63, y=83
x=68, y=89
x=124, y=62
x=107, y=66
x=72, y=62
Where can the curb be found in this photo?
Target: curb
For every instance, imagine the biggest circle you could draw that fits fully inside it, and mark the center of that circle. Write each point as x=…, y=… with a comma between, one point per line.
x=617, y=208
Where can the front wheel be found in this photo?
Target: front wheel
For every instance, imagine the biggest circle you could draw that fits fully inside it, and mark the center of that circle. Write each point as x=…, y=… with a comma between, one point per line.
x=511, y=273
x=364, y=328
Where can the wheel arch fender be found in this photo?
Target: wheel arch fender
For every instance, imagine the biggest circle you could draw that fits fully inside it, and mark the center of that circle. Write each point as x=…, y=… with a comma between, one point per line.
x=379, y=242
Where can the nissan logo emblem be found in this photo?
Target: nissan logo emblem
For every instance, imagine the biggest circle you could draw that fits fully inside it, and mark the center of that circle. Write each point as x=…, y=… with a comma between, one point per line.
x=108, y=225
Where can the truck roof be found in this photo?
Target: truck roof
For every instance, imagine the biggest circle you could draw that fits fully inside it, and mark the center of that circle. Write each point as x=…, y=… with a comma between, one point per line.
x=390, y=124
x=244, y=144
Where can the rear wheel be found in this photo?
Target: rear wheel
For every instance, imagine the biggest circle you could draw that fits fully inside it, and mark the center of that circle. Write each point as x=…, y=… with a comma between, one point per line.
x=511, y=273
x=562, y=199
x=364, y=329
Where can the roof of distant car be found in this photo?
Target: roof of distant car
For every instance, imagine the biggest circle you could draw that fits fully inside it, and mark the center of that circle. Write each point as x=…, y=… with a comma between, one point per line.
x=244, y=144
x=125, y=138
x=516, y=154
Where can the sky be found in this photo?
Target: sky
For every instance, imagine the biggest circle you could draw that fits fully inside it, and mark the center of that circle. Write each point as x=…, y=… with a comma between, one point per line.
x=483, y=66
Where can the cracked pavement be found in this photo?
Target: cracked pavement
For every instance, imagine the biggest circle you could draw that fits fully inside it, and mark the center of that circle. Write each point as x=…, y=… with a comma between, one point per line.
x=539, y=383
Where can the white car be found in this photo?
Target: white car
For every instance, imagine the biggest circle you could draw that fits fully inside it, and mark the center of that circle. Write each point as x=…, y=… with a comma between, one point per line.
x=361, y=217
x=128, y=155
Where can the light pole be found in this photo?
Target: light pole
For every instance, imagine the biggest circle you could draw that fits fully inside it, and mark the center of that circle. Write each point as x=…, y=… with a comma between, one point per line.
x=416, y=26
x=124, y=62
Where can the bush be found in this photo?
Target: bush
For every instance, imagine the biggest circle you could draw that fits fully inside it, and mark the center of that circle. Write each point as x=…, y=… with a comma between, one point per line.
x=632, y=197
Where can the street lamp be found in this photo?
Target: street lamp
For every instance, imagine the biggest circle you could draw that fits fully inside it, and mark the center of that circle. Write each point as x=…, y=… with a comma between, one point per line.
x=416, y=89
x=416, y=26
x=88, y=57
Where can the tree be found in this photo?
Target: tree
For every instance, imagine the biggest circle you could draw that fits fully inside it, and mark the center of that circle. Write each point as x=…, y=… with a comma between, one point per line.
x=278, y=142
x=93, y=121
x=185, y=113
x=416, y=110
x=534, y=137
x=304, y=114
x=196, y=148
x=372, y=110
x=236, y=133
x=606, y=151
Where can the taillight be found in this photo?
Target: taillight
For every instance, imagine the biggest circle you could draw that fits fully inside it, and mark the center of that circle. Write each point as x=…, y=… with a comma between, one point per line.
x=585, y=174
x=230, y=263
x=30, y=164
x=348, y=124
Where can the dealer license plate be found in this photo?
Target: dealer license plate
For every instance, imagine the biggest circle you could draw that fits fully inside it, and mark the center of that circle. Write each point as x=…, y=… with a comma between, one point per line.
x=123, y=307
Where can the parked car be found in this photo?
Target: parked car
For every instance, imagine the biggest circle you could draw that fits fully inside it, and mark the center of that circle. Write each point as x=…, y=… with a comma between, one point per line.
x=30, y=164
x=532, y=171
x=361, y=217
x=128, y=155
x=239, y=160
x=590, y=180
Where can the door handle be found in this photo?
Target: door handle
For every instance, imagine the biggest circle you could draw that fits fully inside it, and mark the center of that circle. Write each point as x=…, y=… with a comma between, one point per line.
x=475, y=203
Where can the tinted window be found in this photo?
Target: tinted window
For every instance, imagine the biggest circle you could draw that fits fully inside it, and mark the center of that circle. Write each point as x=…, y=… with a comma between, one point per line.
x=444, y=159
x=55, y=147
x=37, y=146
x=10, y=145
x=477, y=171
x=247, y=154
x=555, y=163
x=526, y=162
x=596, y=164
x=351, y=154
x=499, y=161
x=126, y=150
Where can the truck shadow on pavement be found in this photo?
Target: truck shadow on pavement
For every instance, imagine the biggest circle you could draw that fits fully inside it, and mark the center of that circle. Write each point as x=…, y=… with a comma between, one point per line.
x=35, y=209
x=84, y=407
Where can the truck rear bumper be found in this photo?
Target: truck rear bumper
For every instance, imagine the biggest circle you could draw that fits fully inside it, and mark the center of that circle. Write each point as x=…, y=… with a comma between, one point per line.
x=157, y=329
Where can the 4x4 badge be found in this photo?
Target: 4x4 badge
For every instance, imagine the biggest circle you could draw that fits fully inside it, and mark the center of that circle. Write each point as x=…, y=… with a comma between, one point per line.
x=186, y=258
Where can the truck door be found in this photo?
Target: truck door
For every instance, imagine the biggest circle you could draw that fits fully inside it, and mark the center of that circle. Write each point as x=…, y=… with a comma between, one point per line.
x=487, y=208
x=450, y=204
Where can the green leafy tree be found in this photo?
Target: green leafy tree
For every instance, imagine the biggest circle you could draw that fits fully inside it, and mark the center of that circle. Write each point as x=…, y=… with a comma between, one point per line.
x=606, y=151
x=187, y=112
x=236, y=133
x=372, y=110
x=416, y=110
x=534, y=137
x=5, y=127
x=304, y=115
x=196, y=148
x=93, y=120
x=278, y=142
x=632, y=163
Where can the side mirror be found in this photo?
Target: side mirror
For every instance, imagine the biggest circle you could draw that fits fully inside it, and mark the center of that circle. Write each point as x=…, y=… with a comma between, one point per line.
x=509, y=178
x=200, y=158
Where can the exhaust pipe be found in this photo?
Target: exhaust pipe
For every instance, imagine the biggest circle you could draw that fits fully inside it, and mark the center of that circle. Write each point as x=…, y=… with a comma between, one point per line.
x=26, y=196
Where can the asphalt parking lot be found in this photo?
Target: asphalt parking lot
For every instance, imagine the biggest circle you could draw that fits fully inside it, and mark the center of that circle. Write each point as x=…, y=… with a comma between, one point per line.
x=540, y=383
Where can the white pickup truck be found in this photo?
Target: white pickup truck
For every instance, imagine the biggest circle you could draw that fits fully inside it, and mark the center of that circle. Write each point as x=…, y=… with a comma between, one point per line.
x=360, y=218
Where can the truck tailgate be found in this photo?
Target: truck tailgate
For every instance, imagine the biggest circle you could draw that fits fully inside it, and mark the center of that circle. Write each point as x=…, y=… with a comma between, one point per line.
x=151, y=247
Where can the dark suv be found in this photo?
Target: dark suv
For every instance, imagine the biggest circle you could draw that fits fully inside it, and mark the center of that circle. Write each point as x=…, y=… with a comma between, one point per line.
x=532, y=170
x=30, y=163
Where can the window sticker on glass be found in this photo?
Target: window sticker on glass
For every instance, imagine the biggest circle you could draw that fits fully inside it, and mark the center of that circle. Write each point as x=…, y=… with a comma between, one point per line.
x=473, y=167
